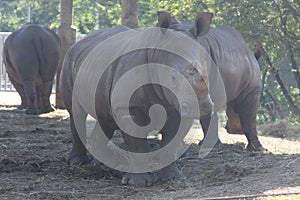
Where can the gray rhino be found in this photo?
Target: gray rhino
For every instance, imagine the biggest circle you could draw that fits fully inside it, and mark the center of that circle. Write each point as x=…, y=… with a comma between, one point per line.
x=77, y=89
x=31, y=55
x=239, y=70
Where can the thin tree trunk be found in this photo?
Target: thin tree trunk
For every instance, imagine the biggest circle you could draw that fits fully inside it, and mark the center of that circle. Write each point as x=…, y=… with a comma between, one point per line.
x=294, y=66
x=68, y=36
x=130, y=13
x=263, y=85
x=282, y=86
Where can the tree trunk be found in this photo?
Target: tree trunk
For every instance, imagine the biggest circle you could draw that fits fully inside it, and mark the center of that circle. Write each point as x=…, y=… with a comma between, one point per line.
x=68, y=37
x=130, y=13
x=294, y=66
x=282, y=86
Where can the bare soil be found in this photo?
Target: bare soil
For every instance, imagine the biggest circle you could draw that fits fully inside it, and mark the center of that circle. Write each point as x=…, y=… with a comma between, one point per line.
x=33, y=152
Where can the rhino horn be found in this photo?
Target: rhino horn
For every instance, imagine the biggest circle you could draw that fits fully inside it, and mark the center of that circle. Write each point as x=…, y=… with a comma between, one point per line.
x=164, y=19
x=202, y=24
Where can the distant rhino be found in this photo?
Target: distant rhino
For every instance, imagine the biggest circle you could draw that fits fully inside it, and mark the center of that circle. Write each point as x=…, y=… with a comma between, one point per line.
x=31, y=55
x=239, y=70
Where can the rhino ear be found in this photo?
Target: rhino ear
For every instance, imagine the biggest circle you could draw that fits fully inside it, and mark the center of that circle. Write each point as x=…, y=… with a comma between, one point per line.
x=202, y=24
x=164, y=19
x=258, y=50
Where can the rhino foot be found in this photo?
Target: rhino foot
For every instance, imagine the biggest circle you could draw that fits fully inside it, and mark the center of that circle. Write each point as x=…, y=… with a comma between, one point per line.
x=137, y=179
x=31, y=111
x=46, y=109
x=256, y=146
x=78, y=159
x=21, y=107
x=171, y=173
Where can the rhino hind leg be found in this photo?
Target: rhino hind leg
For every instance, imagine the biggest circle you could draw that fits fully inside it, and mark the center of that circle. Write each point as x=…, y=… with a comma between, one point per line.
x=78, y=153
x=21, y=92
x=249, y=128
x=247, y=111
x=39, y=90
x=44, y=93
x=20, y=89
x=31, y=96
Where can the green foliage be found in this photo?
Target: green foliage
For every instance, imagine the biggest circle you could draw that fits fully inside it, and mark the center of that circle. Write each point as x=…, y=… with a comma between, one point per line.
x=88, y=15
x=91, y=15
x=275, y=24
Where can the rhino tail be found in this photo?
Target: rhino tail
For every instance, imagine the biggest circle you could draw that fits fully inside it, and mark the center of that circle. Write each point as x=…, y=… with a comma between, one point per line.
x=37, y=43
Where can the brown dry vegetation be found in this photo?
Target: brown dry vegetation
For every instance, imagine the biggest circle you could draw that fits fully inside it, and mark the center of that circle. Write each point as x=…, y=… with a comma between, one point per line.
x=33, y=152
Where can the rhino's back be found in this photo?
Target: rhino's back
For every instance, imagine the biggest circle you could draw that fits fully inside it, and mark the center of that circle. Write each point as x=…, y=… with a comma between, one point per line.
x=75, y=57
x=25, y=38
x=237, y=64
x=31, y=47
x=80, y=50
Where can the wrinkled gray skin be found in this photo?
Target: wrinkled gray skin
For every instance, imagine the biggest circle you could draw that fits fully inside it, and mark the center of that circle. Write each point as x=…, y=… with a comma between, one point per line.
x=31, y=56
x=142, y=99
x=240, y=73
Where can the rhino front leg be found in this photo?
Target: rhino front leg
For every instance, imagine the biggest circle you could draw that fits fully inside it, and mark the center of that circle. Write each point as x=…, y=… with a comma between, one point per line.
x=136, y=145
x=205, y=124
x=210, y=130
x=31, y=96
x=169, y=131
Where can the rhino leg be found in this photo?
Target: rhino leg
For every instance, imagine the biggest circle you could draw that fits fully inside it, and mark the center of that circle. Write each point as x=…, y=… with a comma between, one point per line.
x=171, y=172
x=95, y=142
x=205, y=124
x=247, y=111
x=136, y=145
x=20, y=90
x=44, y=96
x=212, y=123
x=78, y=154
x=39, y=90
x=233, y=124
x=137, y=179
x=30, y=92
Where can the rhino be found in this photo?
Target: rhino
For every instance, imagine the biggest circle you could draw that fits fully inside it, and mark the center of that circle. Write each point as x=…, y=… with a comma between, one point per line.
x=31, y=55
x=239, y=71
x=88, y=52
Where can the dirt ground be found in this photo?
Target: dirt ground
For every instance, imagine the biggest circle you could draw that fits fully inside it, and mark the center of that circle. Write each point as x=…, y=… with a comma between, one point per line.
x=33, y=152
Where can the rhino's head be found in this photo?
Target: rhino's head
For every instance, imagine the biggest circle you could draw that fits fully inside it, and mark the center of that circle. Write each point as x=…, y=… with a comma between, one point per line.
x=195, y=73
